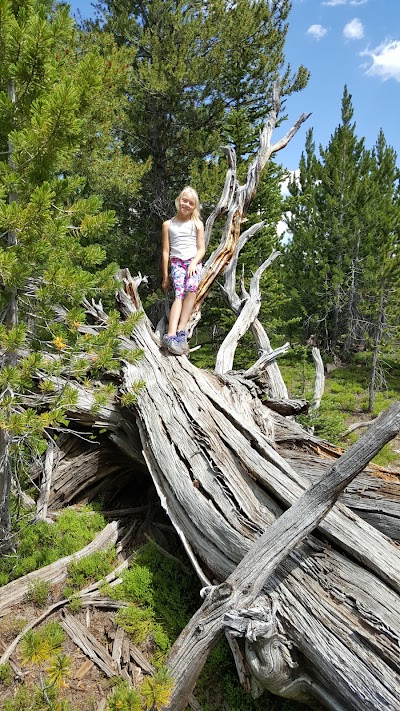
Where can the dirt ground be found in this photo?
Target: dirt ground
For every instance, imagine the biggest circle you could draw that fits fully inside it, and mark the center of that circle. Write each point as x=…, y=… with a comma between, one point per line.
x=87, y=685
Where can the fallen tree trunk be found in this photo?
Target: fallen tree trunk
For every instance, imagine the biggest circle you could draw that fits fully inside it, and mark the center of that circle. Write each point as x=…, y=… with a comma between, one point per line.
x=207, y=444
x=229, y=603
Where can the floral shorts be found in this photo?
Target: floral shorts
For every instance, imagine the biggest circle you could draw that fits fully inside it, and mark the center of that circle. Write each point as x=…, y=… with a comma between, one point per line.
x=183, y=283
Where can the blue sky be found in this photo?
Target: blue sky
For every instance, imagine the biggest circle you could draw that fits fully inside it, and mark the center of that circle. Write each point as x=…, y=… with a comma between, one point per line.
x=353, y=42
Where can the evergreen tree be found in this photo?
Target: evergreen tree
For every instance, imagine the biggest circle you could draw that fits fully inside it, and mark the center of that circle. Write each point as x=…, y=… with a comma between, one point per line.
x=381, y=258
x=302, y=260
x=201, y=77
x=48, y=254
x=326, y=222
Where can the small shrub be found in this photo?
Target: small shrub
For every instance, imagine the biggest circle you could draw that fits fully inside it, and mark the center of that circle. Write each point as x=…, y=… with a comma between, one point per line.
x=174, y=591
x=6, y=676
x=55, y=634
x=21, y=701
x=37, y=646
x=137, y=585
x=156, y=690
x=75, y=604
x=58, y=670
x=90, y=568
x=38, y=592
x=385, y=457
x=346, y=402
x=42, y=543
x=4, y=579
x=138, y=622
x=124, y=698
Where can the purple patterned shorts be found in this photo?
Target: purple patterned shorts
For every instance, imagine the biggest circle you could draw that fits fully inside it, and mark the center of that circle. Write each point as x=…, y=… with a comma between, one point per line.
x=183, y=283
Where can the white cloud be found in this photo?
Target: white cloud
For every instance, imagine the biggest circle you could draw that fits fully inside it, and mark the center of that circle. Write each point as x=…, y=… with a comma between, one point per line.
x=293, y=175
x=317, y=31
x=335, y=3
x=354, y=29
x=385, y=60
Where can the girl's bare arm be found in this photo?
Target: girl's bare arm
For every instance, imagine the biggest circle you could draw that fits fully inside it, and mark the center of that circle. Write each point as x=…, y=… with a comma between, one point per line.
x=201, y=250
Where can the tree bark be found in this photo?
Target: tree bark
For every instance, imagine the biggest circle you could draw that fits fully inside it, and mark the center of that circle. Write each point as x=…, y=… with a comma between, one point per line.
x=375, y=350
x=234, y=597
x=5, y=492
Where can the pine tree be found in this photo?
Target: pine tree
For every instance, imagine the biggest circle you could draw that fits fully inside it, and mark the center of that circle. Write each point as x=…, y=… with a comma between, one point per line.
x=327, y=227
x=201, y=77
x=381, y=258
x=48, y=253
x=302, y=269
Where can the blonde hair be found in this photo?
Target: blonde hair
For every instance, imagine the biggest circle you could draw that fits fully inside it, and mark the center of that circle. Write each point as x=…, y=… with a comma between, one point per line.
x=196, y=212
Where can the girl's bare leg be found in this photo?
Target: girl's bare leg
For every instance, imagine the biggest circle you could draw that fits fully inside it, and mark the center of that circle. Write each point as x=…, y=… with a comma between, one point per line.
x=174, y=316
x=187, y=308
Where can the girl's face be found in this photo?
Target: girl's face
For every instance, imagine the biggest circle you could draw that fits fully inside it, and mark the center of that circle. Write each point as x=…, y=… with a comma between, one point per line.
x=187, y=204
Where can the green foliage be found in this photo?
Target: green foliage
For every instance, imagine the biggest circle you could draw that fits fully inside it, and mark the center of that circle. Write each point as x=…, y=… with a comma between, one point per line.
x=58, y=670
x=38, y=592
x=124, y=698
x=342, y=262
x=6, y=675
x=161, y=597
x=42, y=648
x=386, y=456
x=21, y=701
x=156, y=690
x=196, y=83
x=345, y=396
x=91, y=568
x=153, y=694
x=41, y=543
x=326, y=424
x=138, y=621
x=35, y=648
x=59, y=97
x=137, y=584
x=54, y=634
x=75, y=603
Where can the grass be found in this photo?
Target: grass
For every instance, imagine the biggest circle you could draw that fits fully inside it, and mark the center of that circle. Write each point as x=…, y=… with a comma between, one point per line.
x=345, y=398
x=41, y=543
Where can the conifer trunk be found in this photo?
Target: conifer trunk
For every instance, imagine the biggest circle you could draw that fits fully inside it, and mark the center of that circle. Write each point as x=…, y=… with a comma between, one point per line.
x=375, y=350
x=10, y=356
x=5, y=492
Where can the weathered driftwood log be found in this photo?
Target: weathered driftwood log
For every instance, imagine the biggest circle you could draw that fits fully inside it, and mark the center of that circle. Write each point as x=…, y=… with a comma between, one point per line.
x=374, y=494
x=207, y=444
x=229, y=603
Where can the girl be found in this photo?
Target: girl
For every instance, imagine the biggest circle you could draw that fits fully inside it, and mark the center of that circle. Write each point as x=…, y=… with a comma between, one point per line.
x=182, y=243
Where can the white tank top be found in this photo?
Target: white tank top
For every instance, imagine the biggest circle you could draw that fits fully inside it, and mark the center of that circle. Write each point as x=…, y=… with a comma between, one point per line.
x=182, y=239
